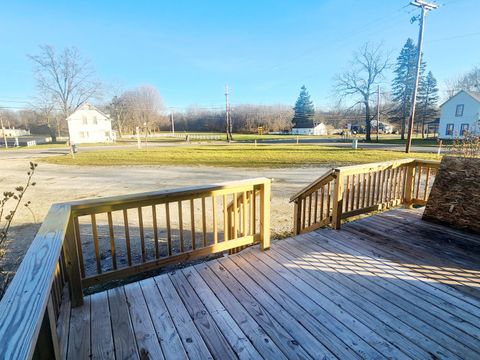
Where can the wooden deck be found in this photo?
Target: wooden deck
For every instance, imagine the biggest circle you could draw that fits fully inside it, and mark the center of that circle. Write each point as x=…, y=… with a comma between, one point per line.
x=389, y=285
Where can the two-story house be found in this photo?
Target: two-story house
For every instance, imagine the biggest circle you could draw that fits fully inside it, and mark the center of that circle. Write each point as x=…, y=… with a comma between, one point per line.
x=89, y=125
x=460, y=115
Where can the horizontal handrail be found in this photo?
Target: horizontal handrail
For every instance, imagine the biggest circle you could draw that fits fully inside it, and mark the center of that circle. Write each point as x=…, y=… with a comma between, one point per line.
x=24, y=304
x=31, y=304
x=314, y=185
x=85, y=207
x=349, y=191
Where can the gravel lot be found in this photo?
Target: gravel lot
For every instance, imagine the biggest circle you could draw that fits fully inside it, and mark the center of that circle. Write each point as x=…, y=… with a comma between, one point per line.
x=57, y=183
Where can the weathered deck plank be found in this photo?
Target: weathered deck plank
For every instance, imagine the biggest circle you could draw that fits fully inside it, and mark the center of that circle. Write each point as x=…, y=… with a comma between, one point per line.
x=389, y=285
x=166, y=332
x=101, y=333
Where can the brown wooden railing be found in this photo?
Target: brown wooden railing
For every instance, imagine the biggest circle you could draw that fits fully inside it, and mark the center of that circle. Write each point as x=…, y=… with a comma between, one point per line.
x=90, y=242
x=353, y=190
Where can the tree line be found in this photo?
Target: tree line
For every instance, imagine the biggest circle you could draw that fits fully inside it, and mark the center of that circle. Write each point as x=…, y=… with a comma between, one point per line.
x=65, y=80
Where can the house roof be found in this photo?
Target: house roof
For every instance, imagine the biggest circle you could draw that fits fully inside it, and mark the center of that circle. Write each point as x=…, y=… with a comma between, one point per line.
x=309, y=127
x=474, y=94
x=88, y=106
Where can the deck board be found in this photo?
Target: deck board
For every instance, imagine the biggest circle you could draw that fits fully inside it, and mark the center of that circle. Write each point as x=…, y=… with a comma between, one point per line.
x=389, y=285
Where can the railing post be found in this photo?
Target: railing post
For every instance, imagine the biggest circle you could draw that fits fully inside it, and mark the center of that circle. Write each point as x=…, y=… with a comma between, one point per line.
x=73, y=265
x=409, y=182
x=297, y=213
x=337, y=200
x=265, y=190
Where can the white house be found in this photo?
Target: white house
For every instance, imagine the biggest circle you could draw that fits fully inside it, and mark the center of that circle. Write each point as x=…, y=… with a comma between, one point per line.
x=318, y=129
x=14, y=132
x=460, y=114
x=89, y=125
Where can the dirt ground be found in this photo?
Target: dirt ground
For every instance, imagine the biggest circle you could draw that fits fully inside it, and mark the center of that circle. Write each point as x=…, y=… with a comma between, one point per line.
x=63, y=183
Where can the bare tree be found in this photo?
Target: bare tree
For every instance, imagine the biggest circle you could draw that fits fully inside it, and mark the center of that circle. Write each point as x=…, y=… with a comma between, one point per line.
x=469, y=81
x=359, y=82
x=66, y=77
x=45, y=108
x=143, y=105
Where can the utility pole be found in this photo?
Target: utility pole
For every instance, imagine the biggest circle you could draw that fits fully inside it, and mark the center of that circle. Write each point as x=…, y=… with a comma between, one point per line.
x=3, y=133
x=173, y=124
x=227, y=116
x=425, y=7
x=378, y=109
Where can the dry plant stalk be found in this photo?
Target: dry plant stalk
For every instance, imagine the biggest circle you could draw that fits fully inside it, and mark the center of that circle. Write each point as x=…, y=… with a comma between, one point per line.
x=467, y=147
x=15, y=198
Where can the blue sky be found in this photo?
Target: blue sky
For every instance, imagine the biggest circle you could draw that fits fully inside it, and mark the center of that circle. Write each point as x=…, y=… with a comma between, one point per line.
x=264, y=50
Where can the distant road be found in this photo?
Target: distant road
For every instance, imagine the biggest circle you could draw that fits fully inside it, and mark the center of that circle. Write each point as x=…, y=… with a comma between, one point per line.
x=26, y=153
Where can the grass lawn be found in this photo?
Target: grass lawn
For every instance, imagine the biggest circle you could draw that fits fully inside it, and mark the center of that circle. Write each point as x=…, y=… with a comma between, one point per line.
x=415, y=141
x=235, y=155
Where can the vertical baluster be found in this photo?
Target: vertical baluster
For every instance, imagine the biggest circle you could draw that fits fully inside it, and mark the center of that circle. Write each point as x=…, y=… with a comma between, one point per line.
x=309, y=209
x=235, y=216
x=214, y=214
x=425, y=194
x=347, y=193
x=364, y=188
x=251, y=196
x=244, y=213
x=204, y=224
x=225, y=218
x=359, y=186
x=112, y=240
x=395, y=181
x=315, y=207
x=304, y=205
x=180, y=226
x=379, y=188
x=387, y=186
x=329, y=193
x=354, y=192
x=79, y=245
x=169, y=230
x=382, y=186
x=95, y=243
x=192, y=223
x=155, y=231
x=142, y=234
x=374, y=188
x=369, y=187
x=127, y=237
x=322, y=195
x=418, y=181
x=254, y=211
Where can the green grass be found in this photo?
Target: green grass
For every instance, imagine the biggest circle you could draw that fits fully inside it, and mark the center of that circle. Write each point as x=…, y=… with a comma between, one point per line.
x=273, y=156
x=415, y=141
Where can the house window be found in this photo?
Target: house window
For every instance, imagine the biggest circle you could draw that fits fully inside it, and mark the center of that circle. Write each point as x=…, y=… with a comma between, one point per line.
x=459, y=110
x=449, y=129
x=464, y=129
x=95, y=122
x=107, y=134
x=84, y=120
x=82, y=134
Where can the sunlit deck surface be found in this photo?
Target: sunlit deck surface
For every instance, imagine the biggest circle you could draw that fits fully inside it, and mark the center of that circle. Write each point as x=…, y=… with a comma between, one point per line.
x=390, y=285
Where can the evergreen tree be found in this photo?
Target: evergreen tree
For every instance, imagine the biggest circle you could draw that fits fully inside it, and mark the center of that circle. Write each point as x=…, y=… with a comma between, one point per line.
x=404, y=81
x=427, y=101
x=304, y=110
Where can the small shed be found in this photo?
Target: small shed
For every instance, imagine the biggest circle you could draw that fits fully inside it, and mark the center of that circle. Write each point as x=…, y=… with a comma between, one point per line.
x=316, y=129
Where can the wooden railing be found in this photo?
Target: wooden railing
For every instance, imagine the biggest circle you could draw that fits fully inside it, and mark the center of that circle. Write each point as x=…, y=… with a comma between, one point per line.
x=90, y=242
x=353, y=190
